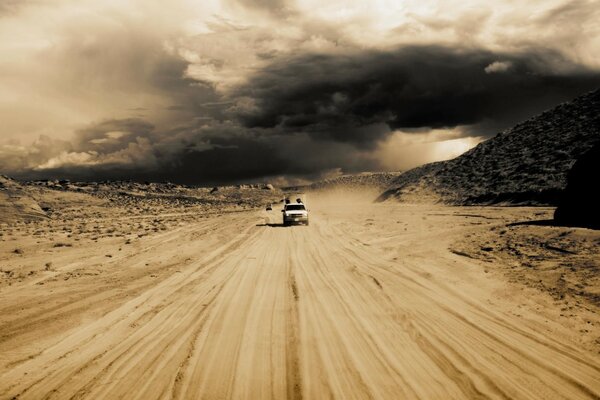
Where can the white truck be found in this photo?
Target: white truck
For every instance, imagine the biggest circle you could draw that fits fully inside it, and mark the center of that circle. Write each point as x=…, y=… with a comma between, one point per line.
x=294, y=213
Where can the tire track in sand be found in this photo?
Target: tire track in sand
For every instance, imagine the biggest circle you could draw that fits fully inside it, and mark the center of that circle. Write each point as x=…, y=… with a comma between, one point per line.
x=304, y=312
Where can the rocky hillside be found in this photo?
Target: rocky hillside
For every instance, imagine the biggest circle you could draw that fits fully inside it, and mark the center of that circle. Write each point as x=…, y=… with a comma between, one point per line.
x=366, y=180
x=526, y=164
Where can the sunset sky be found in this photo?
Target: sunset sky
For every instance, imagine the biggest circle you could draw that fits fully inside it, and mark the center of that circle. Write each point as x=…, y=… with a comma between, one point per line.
x=209, y=92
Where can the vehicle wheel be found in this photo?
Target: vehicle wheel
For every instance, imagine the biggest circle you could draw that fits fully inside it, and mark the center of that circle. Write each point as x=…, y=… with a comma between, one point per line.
x=306, y=223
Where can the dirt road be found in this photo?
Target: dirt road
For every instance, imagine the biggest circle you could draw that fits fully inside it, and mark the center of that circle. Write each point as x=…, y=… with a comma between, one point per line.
x=364, y=303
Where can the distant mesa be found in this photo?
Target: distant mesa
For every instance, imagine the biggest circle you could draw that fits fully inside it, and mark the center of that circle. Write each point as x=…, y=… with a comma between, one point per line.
x=527, y=164
x=580, y=203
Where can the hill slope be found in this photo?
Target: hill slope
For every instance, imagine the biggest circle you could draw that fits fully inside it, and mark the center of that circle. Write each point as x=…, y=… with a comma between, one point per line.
x=526, y=164
x=16, y=204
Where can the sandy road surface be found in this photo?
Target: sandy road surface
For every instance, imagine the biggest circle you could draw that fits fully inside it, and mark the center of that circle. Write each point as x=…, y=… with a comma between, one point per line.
x=364, y=303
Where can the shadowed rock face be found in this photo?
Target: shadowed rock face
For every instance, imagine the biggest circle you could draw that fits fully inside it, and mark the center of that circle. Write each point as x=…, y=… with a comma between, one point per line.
x=580, y=205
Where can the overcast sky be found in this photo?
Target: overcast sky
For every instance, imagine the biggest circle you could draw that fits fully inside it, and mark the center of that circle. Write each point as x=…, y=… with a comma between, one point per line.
x=209, y=92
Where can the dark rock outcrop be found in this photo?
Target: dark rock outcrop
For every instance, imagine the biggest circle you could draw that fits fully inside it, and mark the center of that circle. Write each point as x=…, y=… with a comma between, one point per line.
x=580, y=203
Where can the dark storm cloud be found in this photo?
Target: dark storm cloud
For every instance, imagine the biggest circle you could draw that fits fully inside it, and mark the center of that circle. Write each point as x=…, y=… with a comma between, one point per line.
x=193, y=154
x=298, y=117
x=214, y=164
x=336, y=97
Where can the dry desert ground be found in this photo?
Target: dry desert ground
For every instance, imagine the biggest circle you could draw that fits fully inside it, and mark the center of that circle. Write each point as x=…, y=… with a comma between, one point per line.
x=385, y=301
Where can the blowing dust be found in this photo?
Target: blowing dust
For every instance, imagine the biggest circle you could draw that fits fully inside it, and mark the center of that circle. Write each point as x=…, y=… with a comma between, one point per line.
x=341, y=198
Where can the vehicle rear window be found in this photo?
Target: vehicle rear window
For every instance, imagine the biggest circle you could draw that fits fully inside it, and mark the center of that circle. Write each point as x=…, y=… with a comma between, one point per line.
x=292, y=207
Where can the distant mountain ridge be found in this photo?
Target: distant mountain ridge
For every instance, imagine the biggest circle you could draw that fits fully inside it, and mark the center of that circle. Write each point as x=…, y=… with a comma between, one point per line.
x=526, y=164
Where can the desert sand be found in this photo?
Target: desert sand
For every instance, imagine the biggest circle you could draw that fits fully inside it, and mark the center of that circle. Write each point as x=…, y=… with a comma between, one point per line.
x=386, y=300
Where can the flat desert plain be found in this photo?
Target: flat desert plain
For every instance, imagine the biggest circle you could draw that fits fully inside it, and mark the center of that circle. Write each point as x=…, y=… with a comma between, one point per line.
x=386, y=301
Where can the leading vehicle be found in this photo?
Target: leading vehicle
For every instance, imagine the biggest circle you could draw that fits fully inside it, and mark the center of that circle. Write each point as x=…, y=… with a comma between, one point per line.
x=295, y=213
